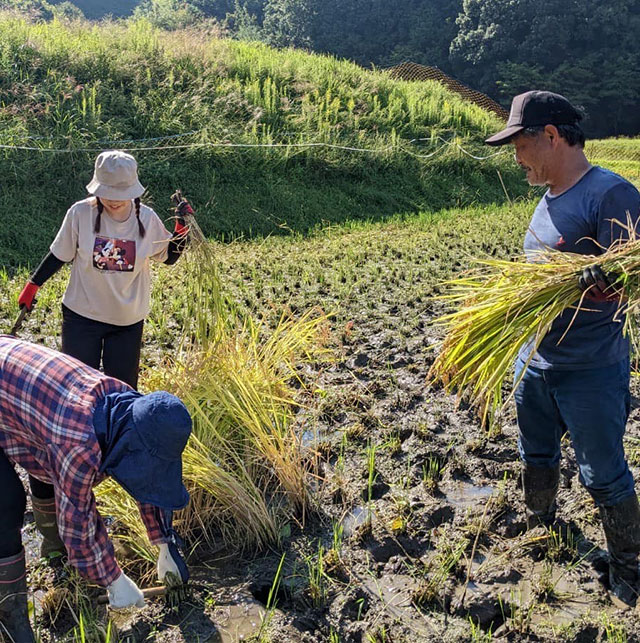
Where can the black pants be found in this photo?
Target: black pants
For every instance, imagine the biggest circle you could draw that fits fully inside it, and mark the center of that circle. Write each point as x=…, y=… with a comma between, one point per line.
x=13, y=502
x=93, y=342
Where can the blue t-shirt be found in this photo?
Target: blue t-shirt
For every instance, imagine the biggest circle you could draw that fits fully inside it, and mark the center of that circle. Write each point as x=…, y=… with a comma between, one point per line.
x=570, y=222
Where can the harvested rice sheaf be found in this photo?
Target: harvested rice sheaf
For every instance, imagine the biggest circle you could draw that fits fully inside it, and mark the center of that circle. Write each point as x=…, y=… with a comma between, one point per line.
x=500, y=305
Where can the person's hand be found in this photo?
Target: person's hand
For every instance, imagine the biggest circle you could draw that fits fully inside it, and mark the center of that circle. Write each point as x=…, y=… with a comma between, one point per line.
x=123, y=592
x=182, y=210
x=27, y=297
x=597, y=285
x=171, y=562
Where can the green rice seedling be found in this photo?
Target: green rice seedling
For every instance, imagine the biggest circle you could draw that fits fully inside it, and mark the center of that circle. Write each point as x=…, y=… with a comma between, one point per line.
x=432, y=472
x=505, y=304
x=613, y=632
x=88, y=630
x=519, y=617
x=378, y=636
x=332, y=557
x=478, y=634
x=271, y=602
x=441, y=567
x=317, y=577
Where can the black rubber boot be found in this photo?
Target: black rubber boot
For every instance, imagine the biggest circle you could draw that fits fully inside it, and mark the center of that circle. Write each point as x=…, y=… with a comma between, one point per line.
x=622, y=528
x=44, y=514
x=540, y=485
x=14, y=613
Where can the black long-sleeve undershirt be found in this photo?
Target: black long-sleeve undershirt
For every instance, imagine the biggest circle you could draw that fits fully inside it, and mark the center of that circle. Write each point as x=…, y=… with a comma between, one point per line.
x=51, y=264
x=47, y=268
x=177, y=245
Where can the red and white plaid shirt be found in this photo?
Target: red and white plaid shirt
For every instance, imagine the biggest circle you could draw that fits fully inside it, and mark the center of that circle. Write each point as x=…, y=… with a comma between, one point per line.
x=47, y=401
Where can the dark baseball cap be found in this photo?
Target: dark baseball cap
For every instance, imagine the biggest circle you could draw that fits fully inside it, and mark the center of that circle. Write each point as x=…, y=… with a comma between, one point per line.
x=536, y=108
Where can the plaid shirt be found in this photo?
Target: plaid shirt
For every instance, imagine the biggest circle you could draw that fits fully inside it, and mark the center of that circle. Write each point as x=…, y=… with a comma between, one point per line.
x=47, y=401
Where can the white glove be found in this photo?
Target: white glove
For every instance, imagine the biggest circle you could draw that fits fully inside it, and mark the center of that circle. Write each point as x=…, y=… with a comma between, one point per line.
x=123, y=592
x=166, y=563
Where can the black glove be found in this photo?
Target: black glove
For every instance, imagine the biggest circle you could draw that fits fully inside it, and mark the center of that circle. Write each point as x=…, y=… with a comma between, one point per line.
x=597, y=285
x=183, y=208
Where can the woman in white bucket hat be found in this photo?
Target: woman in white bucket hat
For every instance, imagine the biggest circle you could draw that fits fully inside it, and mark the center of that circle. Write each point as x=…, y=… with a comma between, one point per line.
x=109, y=238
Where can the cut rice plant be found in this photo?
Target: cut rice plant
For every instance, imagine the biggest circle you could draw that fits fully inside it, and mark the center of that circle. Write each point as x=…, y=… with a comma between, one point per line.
x=244, y=465
x=502, y=305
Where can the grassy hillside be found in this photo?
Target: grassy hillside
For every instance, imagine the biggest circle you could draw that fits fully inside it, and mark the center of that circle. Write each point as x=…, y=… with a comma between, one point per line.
x=77, y=87
x=622, y=155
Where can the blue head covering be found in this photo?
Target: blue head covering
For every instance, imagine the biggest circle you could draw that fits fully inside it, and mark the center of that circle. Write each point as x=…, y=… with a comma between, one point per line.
x=142, y=438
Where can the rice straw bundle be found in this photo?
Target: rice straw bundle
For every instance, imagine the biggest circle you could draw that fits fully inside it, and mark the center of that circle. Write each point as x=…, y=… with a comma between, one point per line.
x=504, y=304
x=244, y=466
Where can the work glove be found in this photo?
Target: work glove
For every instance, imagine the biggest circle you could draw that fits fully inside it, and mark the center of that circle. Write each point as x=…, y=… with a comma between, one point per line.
x=597, y=285
x=27, y=297
x=182, y=210
x=170, y=561
x=123, y=592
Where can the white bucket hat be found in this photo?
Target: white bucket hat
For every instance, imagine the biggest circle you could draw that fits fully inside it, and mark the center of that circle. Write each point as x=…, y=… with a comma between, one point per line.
x=115, y=177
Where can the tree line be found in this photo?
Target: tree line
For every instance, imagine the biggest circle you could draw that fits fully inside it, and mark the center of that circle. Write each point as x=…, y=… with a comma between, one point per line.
x=588, y=50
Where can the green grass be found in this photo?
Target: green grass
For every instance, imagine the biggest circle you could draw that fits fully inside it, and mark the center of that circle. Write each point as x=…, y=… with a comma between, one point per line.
x=621, y=155
x=71, y=86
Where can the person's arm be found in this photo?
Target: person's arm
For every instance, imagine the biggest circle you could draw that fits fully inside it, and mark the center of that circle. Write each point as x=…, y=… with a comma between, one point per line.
x=161, y=533
x=47, y=268
x=618, y=221
x=81, y=527
x=618, y=215
x=62, y=250
x=153, y=520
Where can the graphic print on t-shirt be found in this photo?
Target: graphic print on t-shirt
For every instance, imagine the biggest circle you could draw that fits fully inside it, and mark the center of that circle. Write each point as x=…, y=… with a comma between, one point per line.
x=114, y=254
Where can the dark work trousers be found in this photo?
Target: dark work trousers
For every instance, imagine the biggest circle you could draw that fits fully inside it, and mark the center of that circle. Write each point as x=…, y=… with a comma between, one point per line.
x=13, y=502
x=93, y=342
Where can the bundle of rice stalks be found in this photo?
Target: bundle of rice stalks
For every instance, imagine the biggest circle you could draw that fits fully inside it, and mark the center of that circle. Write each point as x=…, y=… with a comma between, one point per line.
x=244, y=466
x=502, y=305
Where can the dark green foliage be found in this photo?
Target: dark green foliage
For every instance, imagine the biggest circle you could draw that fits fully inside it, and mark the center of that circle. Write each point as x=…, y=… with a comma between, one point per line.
x=93, y=9
x=288, y=22
x=168, y=14
x=387, y=33
x=587, y=50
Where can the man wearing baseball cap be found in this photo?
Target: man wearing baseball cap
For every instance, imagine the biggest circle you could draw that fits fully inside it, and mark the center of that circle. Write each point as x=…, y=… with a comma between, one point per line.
x=70, y=426
x=578, y=379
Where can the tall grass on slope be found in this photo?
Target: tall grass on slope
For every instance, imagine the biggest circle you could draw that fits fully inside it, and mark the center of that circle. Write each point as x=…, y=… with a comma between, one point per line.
x=501, y=305
x=76, y=86
x=244, y=465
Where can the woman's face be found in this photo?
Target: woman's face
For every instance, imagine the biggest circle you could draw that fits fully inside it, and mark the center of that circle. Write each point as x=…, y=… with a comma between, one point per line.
x=116, y=208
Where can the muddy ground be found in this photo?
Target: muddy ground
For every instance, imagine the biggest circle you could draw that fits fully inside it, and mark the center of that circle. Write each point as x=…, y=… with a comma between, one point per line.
x=433, y=546
x=417, y=532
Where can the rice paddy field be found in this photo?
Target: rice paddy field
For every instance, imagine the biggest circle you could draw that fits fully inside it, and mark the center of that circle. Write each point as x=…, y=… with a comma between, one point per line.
x=410, y=526
x=336, y=495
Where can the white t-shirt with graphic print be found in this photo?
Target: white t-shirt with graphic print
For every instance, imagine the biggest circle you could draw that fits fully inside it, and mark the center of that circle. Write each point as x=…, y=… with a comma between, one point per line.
x=110, y=276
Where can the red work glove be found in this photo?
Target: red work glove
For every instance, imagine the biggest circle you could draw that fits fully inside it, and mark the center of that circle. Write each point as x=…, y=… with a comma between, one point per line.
x=28, y=295
x=182, y=209
x=597, y=285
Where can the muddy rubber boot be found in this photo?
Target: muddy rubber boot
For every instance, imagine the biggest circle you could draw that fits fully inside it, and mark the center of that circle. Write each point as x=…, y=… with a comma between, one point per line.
x=46, y=519
x=14, y=612
x=622, y=528
x=540, y=485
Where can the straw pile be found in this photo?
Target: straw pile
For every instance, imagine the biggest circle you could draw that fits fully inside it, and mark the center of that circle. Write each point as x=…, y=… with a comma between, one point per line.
x=501, y=305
